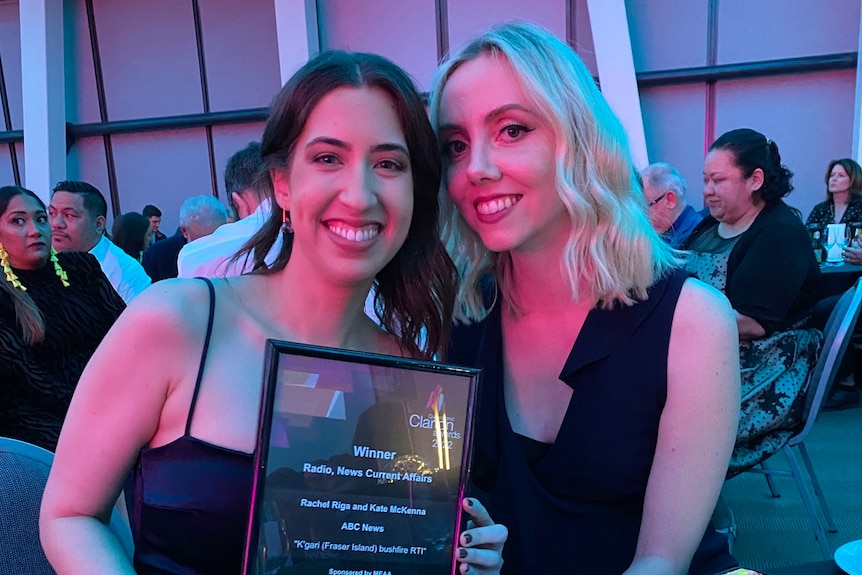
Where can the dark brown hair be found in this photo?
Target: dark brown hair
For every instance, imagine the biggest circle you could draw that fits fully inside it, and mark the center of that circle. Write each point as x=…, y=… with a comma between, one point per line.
x=751, y=151
x=854, y=170
x=128, y=233
x=416, y=289
x=27, y=314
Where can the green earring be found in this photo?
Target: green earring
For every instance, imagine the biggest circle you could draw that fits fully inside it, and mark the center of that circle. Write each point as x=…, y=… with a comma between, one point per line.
x=7, y=269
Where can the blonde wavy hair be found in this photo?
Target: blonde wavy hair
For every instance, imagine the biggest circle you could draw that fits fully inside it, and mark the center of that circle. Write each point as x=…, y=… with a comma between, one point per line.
x=612, y=250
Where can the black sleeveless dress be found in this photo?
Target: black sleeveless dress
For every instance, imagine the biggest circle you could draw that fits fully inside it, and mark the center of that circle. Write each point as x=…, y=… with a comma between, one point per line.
x=189, y=501
x=577, y=505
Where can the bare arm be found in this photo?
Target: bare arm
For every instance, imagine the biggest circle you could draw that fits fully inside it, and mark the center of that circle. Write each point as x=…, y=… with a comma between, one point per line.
x=116, y=410
x=748, y=327
x=696, y=434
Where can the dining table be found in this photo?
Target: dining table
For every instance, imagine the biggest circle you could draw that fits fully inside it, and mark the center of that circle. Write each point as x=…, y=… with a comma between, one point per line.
x=837, y=278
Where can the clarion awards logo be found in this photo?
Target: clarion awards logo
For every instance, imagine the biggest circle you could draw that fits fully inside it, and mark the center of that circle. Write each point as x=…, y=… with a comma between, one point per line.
x=442, y=427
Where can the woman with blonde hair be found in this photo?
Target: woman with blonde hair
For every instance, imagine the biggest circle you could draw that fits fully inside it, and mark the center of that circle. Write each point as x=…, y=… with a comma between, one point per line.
x=610, y=397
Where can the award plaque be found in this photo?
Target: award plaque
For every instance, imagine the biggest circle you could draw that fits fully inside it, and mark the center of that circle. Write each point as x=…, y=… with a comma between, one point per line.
x=361, y=464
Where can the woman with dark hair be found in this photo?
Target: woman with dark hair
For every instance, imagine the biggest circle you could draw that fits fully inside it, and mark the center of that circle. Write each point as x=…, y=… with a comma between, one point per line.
x=755, y=249
x=771, y=276
x=843, y=204
x=132, y=233
x=54, y=311
x=355, y=172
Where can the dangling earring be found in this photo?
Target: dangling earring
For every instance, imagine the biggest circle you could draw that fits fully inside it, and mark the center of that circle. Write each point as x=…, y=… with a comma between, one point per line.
x=61, y=273
x=7, y=269
x=286, y=225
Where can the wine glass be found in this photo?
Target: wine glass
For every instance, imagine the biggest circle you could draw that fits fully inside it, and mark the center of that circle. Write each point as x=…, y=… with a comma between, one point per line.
x=854, y=232
x=835, y=241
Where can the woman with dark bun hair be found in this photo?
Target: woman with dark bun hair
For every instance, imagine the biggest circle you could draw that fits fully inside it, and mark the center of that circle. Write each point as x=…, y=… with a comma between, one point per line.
x=771, y=276
x=755, y=249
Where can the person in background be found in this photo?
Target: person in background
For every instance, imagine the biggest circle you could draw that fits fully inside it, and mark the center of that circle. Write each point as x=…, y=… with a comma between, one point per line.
x=154, y=215
x=771, y=276
x=54, y=311
x=843, y=204
x=356, y=175
x=78, y=213
x=844, y=186
x=669, y=213
x=755, y=248
x=610, y=391
x=160, y=259
x=199, y=217
x=250, y=194
x=132, y=233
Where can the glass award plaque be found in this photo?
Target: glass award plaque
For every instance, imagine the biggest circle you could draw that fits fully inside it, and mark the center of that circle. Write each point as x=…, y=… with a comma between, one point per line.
x=361, y=464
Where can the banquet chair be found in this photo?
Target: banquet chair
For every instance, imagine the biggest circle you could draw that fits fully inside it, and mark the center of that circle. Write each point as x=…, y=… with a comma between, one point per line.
x=24, y=471
x=836, y=340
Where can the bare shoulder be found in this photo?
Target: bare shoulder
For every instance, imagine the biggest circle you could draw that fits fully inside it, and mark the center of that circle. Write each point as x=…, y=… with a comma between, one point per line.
x=702, y=308
x=704, y=343
x=170, y=314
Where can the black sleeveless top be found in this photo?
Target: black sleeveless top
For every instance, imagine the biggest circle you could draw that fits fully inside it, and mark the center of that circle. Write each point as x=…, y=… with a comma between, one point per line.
x=189, y=500
x=577, y=504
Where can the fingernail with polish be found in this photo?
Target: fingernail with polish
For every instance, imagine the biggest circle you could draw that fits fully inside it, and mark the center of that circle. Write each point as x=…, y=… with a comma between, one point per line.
x=467, y=538
x=462, y=553
x=469, y=502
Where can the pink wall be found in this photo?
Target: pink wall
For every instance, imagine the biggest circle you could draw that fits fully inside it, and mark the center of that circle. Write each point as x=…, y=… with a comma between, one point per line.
x=150, y=66
x=10, y=48
x=809, y=116
x=683, y=108
x=404, y=32
x=469, y=17
x=659, y=41
x=771, y=29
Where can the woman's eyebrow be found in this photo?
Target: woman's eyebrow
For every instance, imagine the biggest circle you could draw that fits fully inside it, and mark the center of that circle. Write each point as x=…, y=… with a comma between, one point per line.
x=490, y=116
x=385, y=147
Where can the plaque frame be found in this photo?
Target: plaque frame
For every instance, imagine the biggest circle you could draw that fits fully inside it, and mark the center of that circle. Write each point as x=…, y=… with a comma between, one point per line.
x=276, y=352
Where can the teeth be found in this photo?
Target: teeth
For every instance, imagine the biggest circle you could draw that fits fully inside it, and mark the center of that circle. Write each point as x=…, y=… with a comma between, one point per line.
x=350, y=234
x=495, y=206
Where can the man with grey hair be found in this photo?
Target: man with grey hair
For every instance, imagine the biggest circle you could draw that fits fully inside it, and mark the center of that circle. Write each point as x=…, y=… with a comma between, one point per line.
x=250, y=193
x=668, y=211
x=199, y=217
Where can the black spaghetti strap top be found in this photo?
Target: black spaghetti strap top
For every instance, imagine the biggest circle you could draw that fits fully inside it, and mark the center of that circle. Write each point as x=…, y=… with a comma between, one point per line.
x=189, y=500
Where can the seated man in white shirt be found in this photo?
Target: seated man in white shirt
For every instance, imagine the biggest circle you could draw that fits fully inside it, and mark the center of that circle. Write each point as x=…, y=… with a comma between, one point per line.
x=249, y=193
x=78, y=214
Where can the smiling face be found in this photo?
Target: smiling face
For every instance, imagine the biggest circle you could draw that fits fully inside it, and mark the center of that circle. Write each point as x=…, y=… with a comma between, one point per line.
x=726, y=192
x=839, y=180
x=500, y=158
x=348, y=187
x=25, y=233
